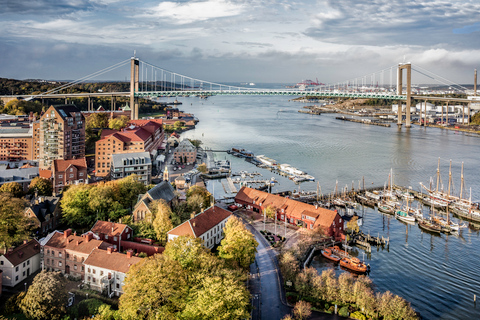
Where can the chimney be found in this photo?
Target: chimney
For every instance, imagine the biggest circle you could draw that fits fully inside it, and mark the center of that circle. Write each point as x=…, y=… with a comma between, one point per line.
x=109, y=250
x=129, y=254
x=67, y=232
x=75, y=233
x=316, y=205
x=25, y=241
x=192, y=215
x=193, y=223
x=88, y=237
x=77, y=243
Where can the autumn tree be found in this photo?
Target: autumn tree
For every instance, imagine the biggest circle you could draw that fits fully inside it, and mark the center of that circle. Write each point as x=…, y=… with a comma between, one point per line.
x=97, y=120
x=206, y=196
x=162, y=222
x=308, y=282
x=14, y=225
x=186, y=250
x=353, y=224
x=42, y=186
x=46, y=298
x=302, y=310
x=202, y=168
x=75, y=206
x=195, y=202
x=178, y=125
x=14, y=188
x=288, y=266
x=118, y=123
x=270, y=211
x=239, y=246
x=105, y=202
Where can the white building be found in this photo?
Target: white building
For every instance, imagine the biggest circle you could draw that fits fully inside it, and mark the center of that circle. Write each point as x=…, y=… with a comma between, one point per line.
x=105, y=270
x=125, y=164
x=19, y=263
x=207, y=225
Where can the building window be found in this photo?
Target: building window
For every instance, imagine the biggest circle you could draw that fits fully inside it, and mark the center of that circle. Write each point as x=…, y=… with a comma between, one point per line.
x=59, y=263
x=28, y=262
x=94, y=271
x=68, y=255
x=60, y=254
x=88, y=270
x=16, y=269
x=118, y=285
x=101, y=273
x=24, y=264
x=16, y=278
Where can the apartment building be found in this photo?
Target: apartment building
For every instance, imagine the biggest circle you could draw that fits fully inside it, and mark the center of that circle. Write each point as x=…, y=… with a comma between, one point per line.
x=138, y=163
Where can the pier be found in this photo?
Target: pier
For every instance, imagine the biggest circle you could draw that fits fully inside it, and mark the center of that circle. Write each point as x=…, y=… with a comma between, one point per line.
x=364, y=121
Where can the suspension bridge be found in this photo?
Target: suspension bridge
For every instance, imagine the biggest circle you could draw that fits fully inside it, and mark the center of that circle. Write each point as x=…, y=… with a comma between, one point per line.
x=150, y=81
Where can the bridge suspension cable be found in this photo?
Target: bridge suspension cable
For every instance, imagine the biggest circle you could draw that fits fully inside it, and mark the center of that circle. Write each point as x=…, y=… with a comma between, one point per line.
x=437, y=77
x=88, y=77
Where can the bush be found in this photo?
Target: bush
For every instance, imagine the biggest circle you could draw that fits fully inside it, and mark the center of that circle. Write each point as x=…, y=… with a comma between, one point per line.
x=358, y=315
x=343, y=312
x=86, y=308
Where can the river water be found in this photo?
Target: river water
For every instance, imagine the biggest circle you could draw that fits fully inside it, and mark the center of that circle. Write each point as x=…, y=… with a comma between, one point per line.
x=439, y=275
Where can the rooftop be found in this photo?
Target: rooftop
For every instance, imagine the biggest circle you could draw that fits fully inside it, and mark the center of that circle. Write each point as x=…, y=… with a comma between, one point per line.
x=111, y=260
x=201, y=223
x=112, y=229
x=23, y=252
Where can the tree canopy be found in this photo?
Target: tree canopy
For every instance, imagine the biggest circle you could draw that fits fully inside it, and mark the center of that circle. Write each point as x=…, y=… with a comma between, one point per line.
x=41, y=185
x=118, y=123
x=14, y=188
x=162, y=222
x=239, y=245
x=46, y=298
x=14, y=225
x=203, y=192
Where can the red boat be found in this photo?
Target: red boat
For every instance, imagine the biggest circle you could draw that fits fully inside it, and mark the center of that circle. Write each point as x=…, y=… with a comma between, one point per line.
x=328, y=253
x=354, y=264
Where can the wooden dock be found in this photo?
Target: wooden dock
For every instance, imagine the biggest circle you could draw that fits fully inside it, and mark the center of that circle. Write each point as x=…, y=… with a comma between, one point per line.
x=364, y=121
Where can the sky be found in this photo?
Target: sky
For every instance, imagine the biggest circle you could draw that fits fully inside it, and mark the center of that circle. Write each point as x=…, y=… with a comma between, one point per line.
x=239, y=41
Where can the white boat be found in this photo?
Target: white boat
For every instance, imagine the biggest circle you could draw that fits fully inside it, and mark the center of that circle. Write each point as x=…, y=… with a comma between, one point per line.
x=266, y=160
x=288, y=169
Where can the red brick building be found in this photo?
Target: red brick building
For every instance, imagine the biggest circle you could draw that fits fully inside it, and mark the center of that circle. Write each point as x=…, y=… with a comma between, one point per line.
x=113, y=233
x=297, y=213
x=67, y=172
x=66, y=252
x=140, y=136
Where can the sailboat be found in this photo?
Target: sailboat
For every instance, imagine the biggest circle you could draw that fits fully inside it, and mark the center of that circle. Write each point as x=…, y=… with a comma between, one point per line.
x=429, y=225
x=404, y=215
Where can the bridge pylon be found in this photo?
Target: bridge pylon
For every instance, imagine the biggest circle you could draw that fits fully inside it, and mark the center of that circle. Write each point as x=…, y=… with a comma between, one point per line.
x=407, y=66
x=134, y=75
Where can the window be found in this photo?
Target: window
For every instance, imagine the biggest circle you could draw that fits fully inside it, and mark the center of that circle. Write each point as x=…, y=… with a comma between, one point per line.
x=83, y=268
x=74, y=267
x=88, y=270
x=106, y=236
x=118, y=285
x=94, y=271
x=59, y=263
x=48, y=261
x=1, y=263
x=53, y=253
x=114, y=238
x=60, y=254
x=24, y=273
x=60, y=176
x=101, y=273
x=68, y=255
x=71, y=175
x=28, y=262
x=16, y=278
x=24, y=264
x=16, y=269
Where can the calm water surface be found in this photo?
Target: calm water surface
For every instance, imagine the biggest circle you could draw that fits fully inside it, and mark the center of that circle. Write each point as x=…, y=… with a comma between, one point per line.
x=438, y=274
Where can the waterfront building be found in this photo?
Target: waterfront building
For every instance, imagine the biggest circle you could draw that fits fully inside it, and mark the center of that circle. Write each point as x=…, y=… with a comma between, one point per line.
x=292, y=212
x=68, y=172
x=60, y=134
x=185, y=152
x=106, y=270
x=138, y=163
x=140, y=136
x=207, y=225
x=163, y=190
x=66, y=252
x=19, y=263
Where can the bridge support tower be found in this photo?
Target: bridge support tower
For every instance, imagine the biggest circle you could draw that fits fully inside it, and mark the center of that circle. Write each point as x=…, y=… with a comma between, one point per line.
x=134, y=75
x=404, y=66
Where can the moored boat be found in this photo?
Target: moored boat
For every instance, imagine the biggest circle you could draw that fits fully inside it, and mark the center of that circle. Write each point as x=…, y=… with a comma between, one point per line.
x=429, y=226
x=329, y=254
x=354, y=264
x=404, y=216
x=385, y=208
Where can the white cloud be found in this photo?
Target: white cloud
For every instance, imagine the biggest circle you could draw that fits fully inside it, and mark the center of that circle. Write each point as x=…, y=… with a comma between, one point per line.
x=189, y=12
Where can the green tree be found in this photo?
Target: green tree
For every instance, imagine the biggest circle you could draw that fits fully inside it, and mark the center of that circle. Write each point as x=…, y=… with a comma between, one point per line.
x=13, y=188
x=14, y=225
x=155, y=288
x=186, y=250
x=195, y=202
x=104, y=201
x=218, y=298
x=97, y=120
x=118, y=123
x=207, y=196
x=308, y=282
x=46, y=298
x=162, y=222
x=271, y=211
x=75, y=206
x=289, y=266
x=197, y=143
x=239, y=246
x=302, y=310
x=202, y=168
x=178, y=125
x=41, y=185
x=128, y=190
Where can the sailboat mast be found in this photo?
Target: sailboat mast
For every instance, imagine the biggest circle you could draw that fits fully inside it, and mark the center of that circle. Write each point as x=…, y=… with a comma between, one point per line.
x=449, y=178
x=438, y=173
x=461, y=184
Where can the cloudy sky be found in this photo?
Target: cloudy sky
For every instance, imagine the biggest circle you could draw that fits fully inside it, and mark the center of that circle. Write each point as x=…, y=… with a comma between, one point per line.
x=242, y=40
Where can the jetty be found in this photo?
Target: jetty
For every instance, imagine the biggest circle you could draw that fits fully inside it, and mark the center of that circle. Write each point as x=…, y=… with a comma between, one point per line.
x=364, y=121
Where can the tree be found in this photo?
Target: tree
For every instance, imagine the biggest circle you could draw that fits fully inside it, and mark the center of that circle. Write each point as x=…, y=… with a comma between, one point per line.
x=186, y=250
x=302, y=310
x=178, y=125
x=345, y=287
x=155, y=288
x=207, y=196
x=239, y=246
x=128, y=190
x=308, y=282
x=75, y=206
x=218, y=298
x=162, y=222
x=353, y=224
x=195, y=202
x=197, y=143
x=288, y=266
x=97, y=120
x=202, y=168
x=270, y=211
x=13, y=188
x=118, y=123
x=41, y=185
x=104, y=201
x=46, y=298
x=14, y=225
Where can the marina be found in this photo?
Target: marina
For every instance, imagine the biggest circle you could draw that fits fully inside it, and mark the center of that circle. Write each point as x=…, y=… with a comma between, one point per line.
x=441, y=267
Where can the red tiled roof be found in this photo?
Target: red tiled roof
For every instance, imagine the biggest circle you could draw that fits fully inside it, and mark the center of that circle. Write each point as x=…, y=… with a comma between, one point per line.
x=202, y=222
x=292, y=208
x=75, y=243
x=142, y=123
x=112, y=261
x=112, y=229
x=107, y=132
x=23, y=252
x=45, y=173
x=62, y=165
